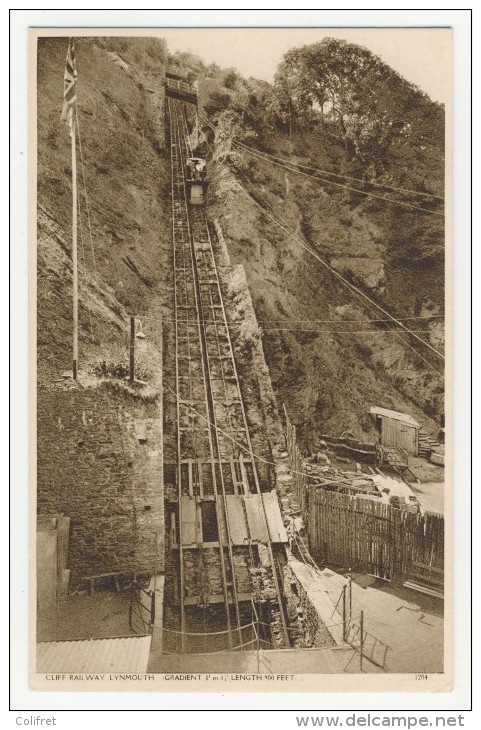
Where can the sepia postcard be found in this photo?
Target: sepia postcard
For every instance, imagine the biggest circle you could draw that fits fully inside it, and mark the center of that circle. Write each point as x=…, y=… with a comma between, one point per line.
x=240, y=382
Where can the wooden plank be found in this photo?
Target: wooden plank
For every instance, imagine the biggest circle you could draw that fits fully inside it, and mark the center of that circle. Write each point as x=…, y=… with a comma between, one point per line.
x=234, y=476
x=423, y=589
x=243, y=476
x=237, y=523
x=198, y=520
x=199, y=477
x=188, y=516
x=255, y=518
x=63, y=527
x=219, y=598
x=428, y=567
x=46, y=522
x=191, y=488
x=62, y=592
x=275, y=524
x=46, y=573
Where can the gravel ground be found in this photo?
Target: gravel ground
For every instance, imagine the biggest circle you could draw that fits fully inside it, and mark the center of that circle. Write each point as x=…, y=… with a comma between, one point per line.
x=425, y=471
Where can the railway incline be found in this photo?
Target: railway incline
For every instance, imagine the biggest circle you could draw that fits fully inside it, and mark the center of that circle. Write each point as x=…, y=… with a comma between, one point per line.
x=226, y=539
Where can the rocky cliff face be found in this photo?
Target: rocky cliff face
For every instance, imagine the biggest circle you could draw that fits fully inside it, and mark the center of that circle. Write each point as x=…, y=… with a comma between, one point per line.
x=328, y=361
x=332, y=353
x=123, y=180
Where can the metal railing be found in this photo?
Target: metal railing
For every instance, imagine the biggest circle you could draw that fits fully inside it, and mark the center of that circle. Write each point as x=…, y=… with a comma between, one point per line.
x=141, y=609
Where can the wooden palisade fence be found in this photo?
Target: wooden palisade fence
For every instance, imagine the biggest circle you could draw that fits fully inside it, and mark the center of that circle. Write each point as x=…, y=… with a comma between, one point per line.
x=295, y=463
x=375, y=537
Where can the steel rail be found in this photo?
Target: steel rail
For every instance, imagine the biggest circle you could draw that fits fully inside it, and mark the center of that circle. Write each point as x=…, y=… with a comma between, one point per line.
x=209, y=393
x=210, y=267
x=179, y=196
x=179, y=236
x=248, y=439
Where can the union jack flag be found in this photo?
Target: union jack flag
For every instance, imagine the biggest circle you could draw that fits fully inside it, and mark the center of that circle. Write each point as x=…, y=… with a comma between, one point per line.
x=69, y=86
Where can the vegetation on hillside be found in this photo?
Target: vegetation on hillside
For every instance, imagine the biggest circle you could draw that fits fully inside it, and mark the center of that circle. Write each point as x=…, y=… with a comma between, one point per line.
x=335, y=107
x=345, y=111
x=338, y=108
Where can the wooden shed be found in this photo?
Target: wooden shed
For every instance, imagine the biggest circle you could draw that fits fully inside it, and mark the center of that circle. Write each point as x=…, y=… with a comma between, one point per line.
x=397, y=429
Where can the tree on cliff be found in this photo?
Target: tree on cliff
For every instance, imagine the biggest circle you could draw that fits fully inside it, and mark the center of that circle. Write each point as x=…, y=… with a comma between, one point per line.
x=368, y=106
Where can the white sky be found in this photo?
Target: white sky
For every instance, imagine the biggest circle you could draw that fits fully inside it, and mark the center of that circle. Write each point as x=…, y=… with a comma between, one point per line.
x=421, y=55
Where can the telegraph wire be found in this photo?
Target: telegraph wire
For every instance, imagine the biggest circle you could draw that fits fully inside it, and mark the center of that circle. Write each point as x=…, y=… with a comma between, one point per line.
x=354, y=290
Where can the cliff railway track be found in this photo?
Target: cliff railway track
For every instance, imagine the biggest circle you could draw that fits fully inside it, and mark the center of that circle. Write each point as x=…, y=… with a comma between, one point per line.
x=224, y=527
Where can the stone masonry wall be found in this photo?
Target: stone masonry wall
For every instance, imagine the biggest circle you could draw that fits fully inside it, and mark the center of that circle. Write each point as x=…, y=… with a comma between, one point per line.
x=284, y=482
x=318, y=618
x=99, y=461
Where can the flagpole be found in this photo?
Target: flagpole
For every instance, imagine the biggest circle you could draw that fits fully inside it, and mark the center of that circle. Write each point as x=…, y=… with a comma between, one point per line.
x=74, y=249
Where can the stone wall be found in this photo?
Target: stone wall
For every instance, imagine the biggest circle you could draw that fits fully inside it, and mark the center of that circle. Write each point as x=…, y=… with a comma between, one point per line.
x=99, y=461
x=317, y=615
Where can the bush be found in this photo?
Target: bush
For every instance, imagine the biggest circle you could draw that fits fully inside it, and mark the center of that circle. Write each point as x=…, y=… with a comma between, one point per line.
x=119, y=370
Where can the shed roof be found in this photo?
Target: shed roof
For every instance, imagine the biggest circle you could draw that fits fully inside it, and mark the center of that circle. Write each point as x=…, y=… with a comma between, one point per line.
x=394, y=415
x=130, y=654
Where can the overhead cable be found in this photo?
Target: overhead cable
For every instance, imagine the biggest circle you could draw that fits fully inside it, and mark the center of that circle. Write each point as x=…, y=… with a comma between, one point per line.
x=346, y=187
x=348, y=284
x=343, y=177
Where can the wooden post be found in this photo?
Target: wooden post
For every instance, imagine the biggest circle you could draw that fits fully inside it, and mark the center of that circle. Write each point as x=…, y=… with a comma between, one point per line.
x=350, y=595
x=257, y=629
x=344, y=632
x=74, y=252
x=362, y=640
x=132, y=350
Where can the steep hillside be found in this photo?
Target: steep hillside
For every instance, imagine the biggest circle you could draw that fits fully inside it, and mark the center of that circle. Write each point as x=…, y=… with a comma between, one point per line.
x=328, y=362
x=330, y=356
x=125, y=263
